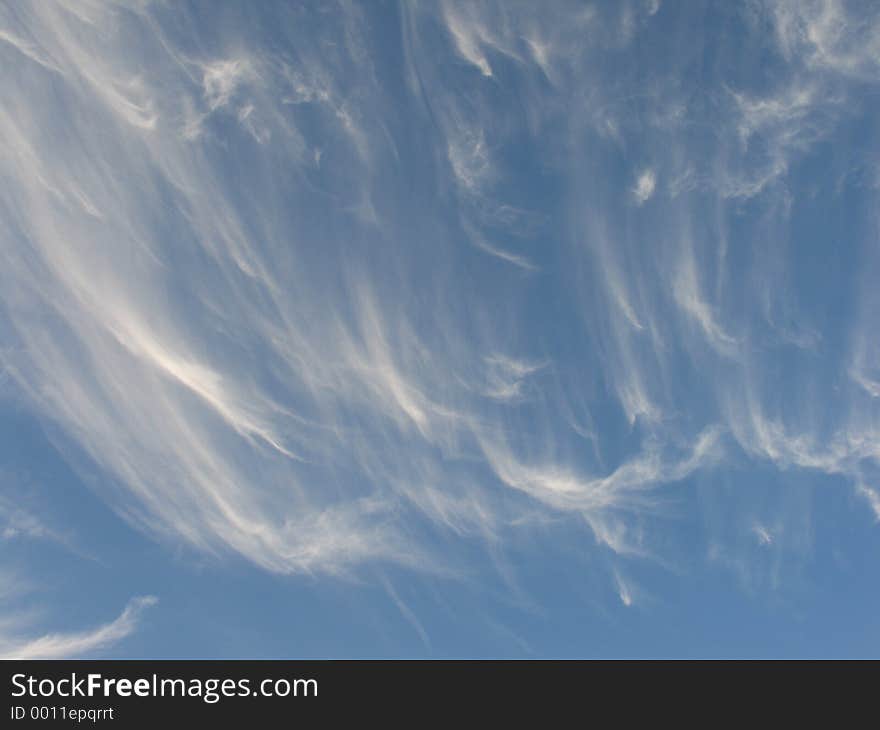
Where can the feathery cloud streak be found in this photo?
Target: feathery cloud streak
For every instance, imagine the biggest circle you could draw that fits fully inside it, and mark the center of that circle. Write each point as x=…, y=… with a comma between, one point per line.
x=310, y=286
x=78, y=644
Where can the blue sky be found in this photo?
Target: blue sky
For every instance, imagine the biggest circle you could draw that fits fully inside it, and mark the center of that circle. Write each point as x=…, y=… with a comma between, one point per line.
x=439, y=329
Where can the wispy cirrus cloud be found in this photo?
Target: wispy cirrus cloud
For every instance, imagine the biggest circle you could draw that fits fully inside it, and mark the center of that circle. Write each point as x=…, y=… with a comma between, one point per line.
x=301, y=308
x=80, y=643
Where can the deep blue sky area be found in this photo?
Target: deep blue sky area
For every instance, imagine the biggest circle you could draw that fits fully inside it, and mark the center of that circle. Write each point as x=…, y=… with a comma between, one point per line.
x=439, y=329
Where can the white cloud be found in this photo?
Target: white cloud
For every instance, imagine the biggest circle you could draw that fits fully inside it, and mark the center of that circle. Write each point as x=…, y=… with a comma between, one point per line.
x=624, y=590
x=250, y=287
x=628, y=487
x=469, y=35
x=78, y=645
x=645, y=185
x=220, y=79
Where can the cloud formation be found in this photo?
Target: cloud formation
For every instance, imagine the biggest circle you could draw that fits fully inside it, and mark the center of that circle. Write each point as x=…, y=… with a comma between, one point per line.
x=306, y=300
x=81, y=643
